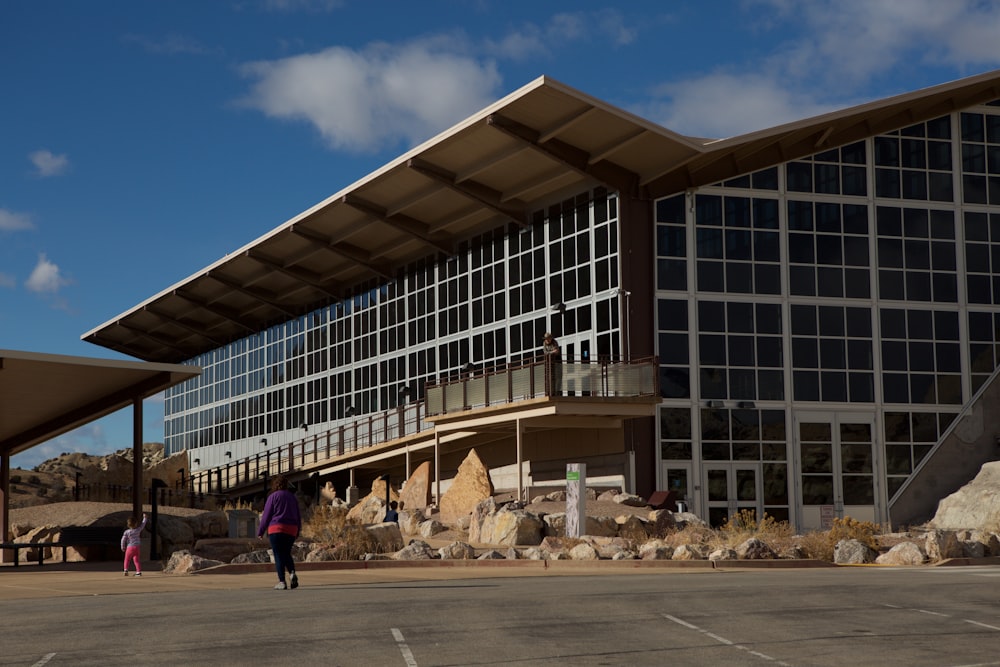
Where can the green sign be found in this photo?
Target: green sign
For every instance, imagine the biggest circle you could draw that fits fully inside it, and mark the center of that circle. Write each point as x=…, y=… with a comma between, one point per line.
x=573, y=475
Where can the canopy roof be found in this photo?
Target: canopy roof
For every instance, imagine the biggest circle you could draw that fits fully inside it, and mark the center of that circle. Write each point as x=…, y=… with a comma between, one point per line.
x=45, y=395
x=536, y=146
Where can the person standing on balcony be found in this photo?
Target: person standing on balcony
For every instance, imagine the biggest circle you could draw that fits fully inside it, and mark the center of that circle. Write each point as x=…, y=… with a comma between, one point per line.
x=282, y=522
x=553, y=369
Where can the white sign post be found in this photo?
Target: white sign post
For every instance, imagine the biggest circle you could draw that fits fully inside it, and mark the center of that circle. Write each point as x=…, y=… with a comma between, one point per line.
x=576, y=499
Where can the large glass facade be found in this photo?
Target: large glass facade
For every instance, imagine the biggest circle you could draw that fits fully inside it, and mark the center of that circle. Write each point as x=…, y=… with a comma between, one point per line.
x=862, y=282
x=488, y=304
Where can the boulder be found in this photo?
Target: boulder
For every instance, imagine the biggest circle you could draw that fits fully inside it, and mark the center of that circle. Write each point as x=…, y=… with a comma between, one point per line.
x=492, y=554
x=416, y=493
x=409, y=521
x=974, y=506
x=555, y=524
x=415, y=550
x=601, y=526
x=630, y=500
x=904, y=553
x=689, y=552
x=457, y=551
x=386, y=535
x=942, y=544
x=185, y=562
x=632, y=527
x=259, y=556
x=174, y=533
x=661, y=522
x=583, y=552
x=472, y=485
x=755, y=549
x=430, y=528
x=723, y=554
x=510, y=528
x=853, y=552
x=370, y=509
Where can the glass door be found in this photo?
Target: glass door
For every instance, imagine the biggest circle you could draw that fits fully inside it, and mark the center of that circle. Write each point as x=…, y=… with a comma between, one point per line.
x=837, y=463
x=676, y=476
x=731, y=488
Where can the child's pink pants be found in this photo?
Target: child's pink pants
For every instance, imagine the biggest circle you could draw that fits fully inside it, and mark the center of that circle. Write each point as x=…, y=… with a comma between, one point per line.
x=132, y=554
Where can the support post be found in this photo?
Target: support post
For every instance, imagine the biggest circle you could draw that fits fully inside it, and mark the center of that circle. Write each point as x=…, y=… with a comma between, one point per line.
x=576, y=499
x=520, y=461
x=137, y=457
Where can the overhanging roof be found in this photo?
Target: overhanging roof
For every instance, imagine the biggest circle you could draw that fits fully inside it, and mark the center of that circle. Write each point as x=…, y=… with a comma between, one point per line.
x=45, y=395
x=534, y=147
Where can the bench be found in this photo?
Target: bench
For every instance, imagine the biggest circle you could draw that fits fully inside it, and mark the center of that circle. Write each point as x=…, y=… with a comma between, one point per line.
x=71, y=536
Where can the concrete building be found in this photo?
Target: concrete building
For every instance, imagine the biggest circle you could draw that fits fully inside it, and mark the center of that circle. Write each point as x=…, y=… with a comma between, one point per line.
x=822, y=300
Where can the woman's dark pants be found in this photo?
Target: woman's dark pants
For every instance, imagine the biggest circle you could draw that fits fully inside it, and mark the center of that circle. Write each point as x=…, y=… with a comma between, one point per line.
x=281, y=545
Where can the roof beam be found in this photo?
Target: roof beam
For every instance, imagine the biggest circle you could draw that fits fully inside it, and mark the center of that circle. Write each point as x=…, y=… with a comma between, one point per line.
x=253, y=294
x=159, y=340
x=183, y=325
x=220, y=310
x=609, y=173
x=307, y=277
x=345, y=250
x=478, y=192
x=403, y=223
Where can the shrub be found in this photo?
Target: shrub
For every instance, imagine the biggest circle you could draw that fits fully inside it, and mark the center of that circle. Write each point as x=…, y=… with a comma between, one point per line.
x=820, y=545
x=744, y=525
x=15, y=479
x=330, y=526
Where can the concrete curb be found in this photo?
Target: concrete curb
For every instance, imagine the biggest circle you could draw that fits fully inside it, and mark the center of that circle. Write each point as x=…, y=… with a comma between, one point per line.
x=555, y=565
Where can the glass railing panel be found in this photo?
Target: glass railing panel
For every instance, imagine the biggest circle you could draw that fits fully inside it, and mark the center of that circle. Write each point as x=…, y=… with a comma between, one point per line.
x=475, y=392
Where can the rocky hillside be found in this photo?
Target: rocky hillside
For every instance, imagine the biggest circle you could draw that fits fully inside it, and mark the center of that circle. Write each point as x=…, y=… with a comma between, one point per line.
x=53, y=480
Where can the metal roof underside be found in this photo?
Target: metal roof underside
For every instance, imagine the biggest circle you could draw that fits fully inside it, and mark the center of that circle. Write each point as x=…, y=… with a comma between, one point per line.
x=45, y=395
x=535, y=147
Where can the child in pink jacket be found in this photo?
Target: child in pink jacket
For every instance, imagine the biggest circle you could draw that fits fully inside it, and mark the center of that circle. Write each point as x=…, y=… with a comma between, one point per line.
x=131, y=542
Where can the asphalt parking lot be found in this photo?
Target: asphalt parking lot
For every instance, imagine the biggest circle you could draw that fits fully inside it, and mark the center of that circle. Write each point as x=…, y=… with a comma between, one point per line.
x=592, y=615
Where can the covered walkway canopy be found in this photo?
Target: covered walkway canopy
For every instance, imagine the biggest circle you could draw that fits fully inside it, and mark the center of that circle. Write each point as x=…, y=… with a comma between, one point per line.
x=43, y=396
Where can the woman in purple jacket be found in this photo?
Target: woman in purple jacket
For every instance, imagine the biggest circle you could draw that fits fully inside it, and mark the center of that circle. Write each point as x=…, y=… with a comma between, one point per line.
x=282, y=522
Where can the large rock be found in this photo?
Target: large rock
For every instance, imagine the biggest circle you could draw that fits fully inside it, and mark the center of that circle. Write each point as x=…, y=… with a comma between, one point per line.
x=185, y=562
x=942, y=544
x=386, y=534
x=416, y=493
x=755, y=549
x=904, y=553
x=457, y=551
x=853, y=552
x=975, y=506
x=416, y=550
x=632, y=528
x=511, y=528
x=471, y=485
x=371, y=509
x=174, y=533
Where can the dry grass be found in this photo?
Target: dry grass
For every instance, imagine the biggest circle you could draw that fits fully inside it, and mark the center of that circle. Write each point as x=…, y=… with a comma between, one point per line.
x=820, y=544
x=330, y=527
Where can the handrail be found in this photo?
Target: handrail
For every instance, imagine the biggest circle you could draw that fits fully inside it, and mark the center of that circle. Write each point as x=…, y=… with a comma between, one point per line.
x=537, y=377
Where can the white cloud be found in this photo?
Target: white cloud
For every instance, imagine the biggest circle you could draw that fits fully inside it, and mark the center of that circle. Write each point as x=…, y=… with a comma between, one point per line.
x=46, y=277
x=47, y=163
x=369, y=99
x=14, y=222
x=840, y=47
x=531, y=40
x=705, y=107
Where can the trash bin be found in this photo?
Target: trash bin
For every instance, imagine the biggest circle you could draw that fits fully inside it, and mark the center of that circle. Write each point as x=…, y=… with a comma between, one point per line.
x=682, y=506
x=243, y=523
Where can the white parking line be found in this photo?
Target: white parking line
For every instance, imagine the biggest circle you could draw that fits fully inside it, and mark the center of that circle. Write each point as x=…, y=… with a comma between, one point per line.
x=723, y=640
x=403, y=648
x=982, y=625
x=45, y=659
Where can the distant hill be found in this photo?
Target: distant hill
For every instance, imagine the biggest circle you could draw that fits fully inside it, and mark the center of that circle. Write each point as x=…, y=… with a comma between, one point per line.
x=54, y=480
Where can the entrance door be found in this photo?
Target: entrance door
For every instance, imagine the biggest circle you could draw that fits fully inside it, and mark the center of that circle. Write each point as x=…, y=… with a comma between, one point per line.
x=579, y=376
x=837, y=466
x=676, y=477
x=731, y=488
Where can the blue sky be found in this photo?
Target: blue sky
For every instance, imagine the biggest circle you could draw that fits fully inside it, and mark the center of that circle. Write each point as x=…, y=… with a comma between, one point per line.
x=140, y=141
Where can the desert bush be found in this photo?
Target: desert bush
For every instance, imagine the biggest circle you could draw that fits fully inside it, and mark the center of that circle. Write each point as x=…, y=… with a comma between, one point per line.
x=330, y=526
x=820, y=544
x=744, y=525
x=15, y=479
x=689, y=534
x=34, y=480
